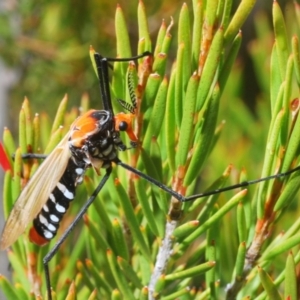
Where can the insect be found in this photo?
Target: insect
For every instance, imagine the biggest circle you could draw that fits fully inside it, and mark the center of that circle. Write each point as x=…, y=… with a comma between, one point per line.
x=92, y=141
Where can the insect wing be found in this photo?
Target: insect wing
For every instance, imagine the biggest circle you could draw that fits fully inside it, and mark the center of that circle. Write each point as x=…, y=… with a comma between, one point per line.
x=36, y=193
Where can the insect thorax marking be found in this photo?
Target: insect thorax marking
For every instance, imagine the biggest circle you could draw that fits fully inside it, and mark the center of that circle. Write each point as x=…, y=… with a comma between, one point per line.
x=102, y=145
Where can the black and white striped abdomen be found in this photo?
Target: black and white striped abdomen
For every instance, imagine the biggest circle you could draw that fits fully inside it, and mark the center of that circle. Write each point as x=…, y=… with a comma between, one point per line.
x=46, y=224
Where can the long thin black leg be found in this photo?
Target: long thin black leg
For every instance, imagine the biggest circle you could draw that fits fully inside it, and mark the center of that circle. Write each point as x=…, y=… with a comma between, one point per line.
x=144, y=54
x=32, y=155
x=102, y=63
x=240, y=185
x=56, y=247
x=192, y=197
x=105, y=77
x=151, y=180
x=205, y=194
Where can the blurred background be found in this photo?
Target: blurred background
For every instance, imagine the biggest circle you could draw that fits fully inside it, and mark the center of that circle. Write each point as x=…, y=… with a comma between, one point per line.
x=44, y=45
x=44, y=54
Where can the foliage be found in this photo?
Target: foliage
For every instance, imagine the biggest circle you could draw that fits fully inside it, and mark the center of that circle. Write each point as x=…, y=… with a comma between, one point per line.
x=208, y=247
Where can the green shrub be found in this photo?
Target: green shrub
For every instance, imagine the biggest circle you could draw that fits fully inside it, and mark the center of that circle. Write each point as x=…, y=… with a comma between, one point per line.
x=136, y=242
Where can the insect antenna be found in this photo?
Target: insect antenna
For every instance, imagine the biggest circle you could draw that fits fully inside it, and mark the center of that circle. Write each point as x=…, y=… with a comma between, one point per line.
x=102, y=70
x=130, y=84
x=126, y=105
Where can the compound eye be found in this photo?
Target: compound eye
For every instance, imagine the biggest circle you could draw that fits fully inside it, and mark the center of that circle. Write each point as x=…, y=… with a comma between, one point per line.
x=123, y=126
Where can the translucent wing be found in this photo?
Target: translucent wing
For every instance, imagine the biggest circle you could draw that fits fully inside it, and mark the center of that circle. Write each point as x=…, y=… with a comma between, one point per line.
x=36, y=193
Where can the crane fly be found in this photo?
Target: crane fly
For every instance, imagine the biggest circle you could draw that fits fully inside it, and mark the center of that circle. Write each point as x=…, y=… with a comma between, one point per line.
x=93, y=141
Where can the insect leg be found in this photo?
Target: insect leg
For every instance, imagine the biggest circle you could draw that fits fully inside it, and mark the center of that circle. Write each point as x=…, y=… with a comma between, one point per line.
x=102, y=70
x=182, y=198
x=144, y=54
x=151, y=180
x=32, y=155
x=240, y=185
x=79, y=216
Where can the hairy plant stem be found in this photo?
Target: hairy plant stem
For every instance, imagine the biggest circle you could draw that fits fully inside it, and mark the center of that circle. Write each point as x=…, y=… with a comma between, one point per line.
x=163, y=257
